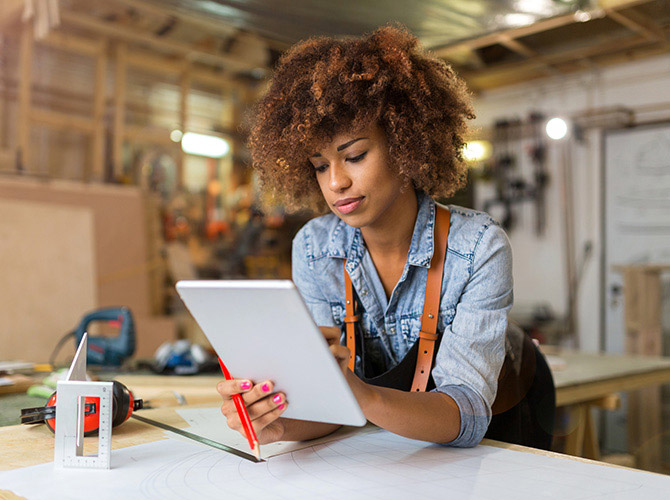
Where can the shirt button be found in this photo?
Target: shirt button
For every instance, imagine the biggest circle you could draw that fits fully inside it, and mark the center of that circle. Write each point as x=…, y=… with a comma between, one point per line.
x=364, y=292
x=392, y=330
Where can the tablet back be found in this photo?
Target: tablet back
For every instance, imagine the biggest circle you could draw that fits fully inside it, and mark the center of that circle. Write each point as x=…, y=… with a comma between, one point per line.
x=262, y=330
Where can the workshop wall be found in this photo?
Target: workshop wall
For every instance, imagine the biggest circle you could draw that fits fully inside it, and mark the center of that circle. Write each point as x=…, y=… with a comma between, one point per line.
x=539, y=270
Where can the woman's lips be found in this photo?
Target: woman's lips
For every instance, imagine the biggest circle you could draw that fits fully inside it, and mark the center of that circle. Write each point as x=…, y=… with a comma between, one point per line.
x=349, y=205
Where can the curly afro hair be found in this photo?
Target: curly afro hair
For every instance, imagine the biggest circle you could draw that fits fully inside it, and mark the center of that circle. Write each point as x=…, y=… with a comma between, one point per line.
x=324, y=86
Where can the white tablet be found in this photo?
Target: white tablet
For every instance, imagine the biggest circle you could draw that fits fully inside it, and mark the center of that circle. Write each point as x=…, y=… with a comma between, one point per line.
x=262, y=330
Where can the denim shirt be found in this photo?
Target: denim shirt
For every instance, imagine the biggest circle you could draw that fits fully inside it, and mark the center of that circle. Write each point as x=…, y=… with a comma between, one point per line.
x=475, y=299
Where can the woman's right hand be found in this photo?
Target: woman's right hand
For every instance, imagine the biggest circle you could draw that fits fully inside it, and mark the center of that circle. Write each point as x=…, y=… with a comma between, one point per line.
x=264, y=408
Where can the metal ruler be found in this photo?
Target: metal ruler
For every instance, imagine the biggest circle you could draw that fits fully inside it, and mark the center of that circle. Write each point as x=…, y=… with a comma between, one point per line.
x=199, y=439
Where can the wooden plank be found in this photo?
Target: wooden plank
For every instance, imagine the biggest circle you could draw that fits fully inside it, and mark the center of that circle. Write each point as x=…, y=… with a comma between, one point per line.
x=24, y=445
x=62, y=121
x=543, y=25
x=7, y=159
x=163, y=65
x=574, y=442
x=643, y=322
x=10, y=12
x=185, y=88
x=140, y=134
x=119, y=244
x=516, y=71
x=626, y=382
x=152, y=62
x=86, y=46
x=119, y=108
x=494, y=38
x=25, y=71
x=35, y=236
x=100, y=94
x=591, y=448
x=638, y=24
x=162, y=44
x=516, y=46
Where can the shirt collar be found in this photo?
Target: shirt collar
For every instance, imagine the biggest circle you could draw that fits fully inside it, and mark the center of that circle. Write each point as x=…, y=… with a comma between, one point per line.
x=346, y=242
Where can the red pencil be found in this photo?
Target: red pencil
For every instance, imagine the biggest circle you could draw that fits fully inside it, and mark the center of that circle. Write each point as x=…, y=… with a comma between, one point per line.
x=244, y=416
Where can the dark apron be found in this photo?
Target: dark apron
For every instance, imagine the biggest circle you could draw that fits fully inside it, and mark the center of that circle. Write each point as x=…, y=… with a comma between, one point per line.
x=525, y=404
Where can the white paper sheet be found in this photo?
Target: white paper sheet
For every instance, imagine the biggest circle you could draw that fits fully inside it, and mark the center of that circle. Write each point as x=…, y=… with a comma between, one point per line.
x=210, y=423
x=369, y=465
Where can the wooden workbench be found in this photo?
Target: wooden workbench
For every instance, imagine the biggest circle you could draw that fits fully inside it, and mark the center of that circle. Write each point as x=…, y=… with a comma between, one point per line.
x=588, y=380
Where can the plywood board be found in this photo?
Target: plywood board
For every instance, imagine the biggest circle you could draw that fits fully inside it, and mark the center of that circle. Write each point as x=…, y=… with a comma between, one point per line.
x=48, y=275
x=119, y=237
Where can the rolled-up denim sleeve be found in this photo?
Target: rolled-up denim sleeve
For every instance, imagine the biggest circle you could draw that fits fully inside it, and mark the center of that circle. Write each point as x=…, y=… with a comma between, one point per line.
x=472, y=349
x=305, y=279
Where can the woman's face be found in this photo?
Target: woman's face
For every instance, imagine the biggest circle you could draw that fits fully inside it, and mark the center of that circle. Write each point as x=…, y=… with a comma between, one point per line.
x=355, y=177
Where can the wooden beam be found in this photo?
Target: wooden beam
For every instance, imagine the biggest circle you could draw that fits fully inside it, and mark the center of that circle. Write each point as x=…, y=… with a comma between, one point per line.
x=516, y=46
x=80, y=45
x=120, y=32
x=120, y=107
x=538, y=27
x=62, y=121
x=10, y=12
x=620, y=4
x=100, y=95
x=148, y=61
x=25, y=70
x=638, y=23
x=185, y=88
x=7, y=158
x=532, y=64
x=3, y=99
x=216, y=26
x=215, y=79
x=495, y=38
x=156, y=64
x=144, y=135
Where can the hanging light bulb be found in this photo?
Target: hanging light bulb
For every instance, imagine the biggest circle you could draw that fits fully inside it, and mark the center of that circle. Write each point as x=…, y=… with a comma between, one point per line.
x=557, y=128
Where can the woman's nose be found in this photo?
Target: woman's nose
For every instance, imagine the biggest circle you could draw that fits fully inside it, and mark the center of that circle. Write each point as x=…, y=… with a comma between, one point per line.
x=339, y=180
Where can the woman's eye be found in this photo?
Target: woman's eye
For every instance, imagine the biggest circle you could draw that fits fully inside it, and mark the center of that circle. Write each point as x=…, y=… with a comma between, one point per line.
x=321, y=168
x=357, y=158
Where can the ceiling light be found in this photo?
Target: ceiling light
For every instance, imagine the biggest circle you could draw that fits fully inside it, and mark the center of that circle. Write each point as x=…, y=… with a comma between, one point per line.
x=557, y=128
x=204, y=145
x=519, y=19
x=176, y=135
x=475, y=151
x=582, y=16
x=540, y=7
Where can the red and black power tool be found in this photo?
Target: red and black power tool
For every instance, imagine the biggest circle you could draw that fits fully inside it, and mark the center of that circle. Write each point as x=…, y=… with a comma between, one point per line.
x=123, y=405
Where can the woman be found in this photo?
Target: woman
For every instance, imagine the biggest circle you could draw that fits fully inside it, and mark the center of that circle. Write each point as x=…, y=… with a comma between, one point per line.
x=372, y=128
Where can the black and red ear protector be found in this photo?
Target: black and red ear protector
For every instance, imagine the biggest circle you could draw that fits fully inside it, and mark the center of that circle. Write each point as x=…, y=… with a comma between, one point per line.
x=123, y=405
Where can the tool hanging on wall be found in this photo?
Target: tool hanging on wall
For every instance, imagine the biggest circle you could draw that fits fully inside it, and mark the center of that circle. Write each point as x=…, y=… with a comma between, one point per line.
x=511, y=186
x=538, y=155
x=504, y=162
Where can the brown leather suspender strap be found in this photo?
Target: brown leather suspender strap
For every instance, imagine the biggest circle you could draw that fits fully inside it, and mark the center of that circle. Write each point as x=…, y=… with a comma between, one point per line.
x=431, y=305
x=350, y=319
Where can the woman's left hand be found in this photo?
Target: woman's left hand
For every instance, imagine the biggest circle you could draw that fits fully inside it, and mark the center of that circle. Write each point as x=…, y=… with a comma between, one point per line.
x=341, y=352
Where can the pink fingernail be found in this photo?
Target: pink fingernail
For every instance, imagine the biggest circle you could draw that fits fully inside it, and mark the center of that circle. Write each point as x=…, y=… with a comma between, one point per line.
x=245, y=386
x=266, y=387
x=281, y=406
x=277, y=398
